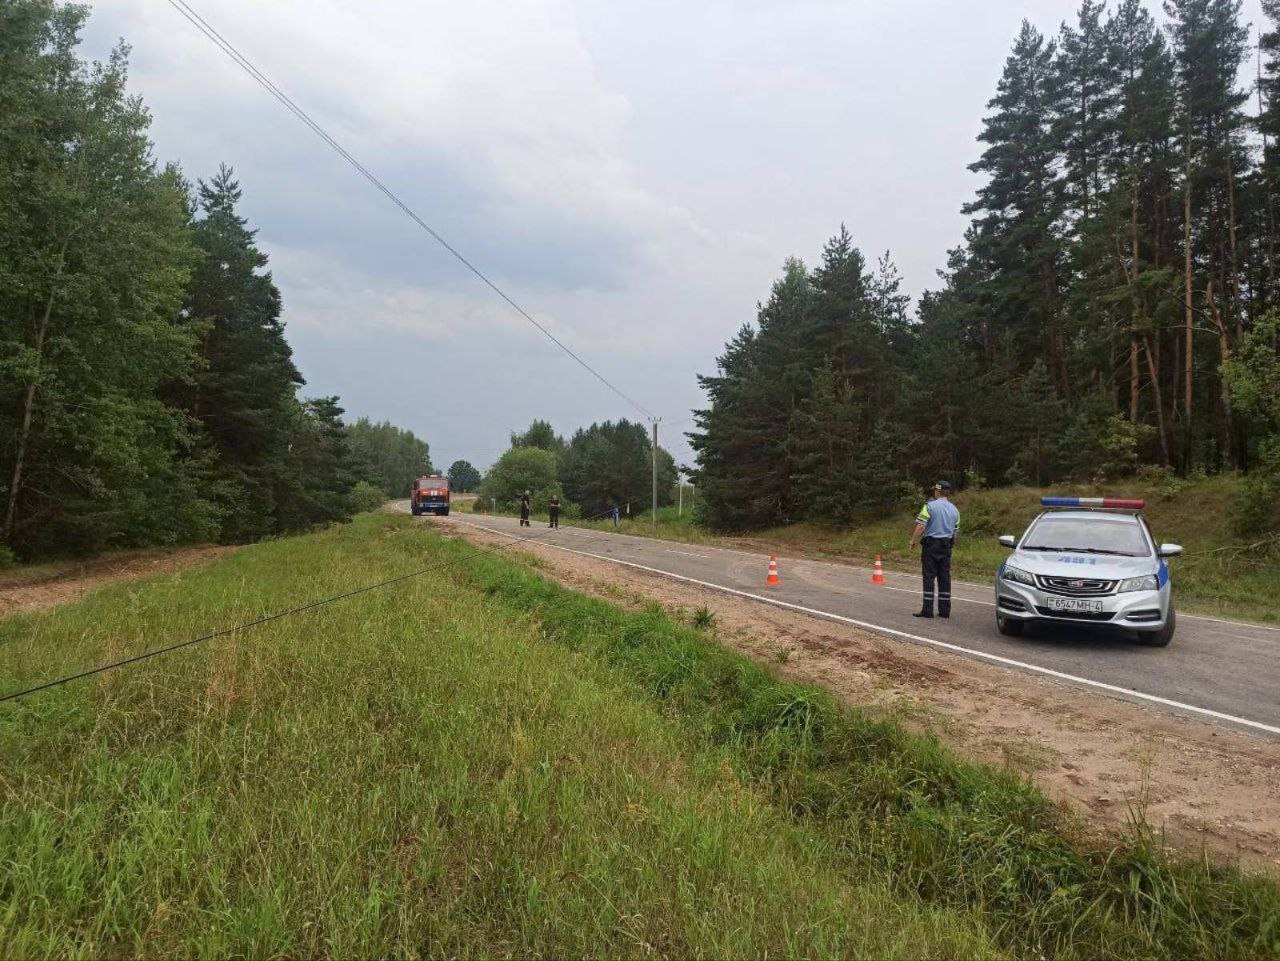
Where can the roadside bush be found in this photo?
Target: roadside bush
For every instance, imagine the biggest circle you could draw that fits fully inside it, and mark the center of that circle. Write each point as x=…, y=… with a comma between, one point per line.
x=1166, y=484
x=1106, y=445
x=1251, y=513
x=367, y=497
x=522, y=469
x=7, y=558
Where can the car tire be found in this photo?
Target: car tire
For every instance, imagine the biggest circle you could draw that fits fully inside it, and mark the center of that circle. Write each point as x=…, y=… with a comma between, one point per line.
x=1010, y=627
x=1162, y=637
x=415, y=511
x=445, y=512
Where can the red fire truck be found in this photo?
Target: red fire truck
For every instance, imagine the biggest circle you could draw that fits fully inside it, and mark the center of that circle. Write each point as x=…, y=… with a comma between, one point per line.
x=430, y=495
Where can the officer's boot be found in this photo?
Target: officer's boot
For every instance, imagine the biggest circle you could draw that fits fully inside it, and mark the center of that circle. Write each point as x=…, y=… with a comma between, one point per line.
x=927, y=609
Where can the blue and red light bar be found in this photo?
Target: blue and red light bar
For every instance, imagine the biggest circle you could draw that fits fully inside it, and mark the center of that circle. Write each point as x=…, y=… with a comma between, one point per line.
x=1113, y=502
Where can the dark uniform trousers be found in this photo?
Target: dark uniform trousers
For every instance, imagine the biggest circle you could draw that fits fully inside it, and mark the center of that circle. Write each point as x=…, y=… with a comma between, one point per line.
x=935, y=563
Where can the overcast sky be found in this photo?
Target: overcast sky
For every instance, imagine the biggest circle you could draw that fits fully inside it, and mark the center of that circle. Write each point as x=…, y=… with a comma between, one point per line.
x=633, y=174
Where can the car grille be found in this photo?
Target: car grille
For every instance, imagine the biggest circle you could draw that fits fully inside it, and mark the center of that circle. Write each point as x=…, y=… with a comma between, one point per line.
x=1075, y=586
x=1074, y=615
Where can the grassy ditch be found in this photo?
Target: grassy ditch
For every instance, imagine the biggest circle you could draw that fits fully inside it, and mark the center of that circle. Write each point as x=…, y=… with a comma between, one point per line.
x=481, y=762
x=414, y=771
x=978, y=839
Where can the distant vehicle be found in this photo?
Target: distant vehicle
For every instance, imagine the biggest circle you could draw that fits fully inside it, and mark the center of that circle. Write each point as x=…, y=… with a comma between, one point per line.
x=430, y=496
x=1087, y=560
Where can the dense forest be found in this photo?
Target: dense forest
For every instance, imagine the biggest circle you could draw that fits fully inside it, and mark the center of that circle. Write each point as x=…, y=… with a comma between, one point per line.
x=147, y=391
x=600, y=466
x=1113, y=307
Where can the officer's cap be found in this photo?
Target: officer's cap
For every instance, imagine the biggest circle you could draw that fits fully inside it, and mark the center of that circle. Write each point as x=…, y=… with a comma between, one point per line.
x=943, y=487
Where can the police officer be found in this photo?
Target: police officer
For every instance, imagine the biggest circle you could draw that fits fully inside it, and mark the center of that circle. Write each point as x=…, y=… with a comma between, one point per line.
x=554, y=508
x=936, y=527
x=526, y=504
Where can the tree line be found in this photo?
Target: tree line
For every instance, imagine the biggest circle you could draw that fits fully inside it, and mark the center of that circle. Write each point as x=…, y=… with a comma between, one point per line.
x=605, y=465
x=1113, y=305
x=147, y=391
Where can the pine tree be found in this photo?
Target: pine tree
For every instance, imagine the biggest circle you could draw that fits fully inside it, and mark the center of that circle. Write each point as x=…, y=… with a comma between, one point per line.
x=464, y=477
x=1209, y=46
x=243, y=396
x=1016, y=239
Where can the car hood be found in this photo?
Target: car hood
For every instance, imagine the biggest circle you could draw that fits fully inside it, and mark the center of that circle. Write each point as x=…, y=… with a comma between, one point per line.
x=1067, y=564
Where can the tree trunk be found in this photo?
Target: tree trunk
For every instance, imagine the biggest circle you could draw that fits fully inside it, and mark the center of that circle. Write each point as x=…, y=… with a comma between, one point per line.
x=1153, y=370
x=29, y=401
x=1227, y=441
x=1133, y=379
x=1188, y=317
x=1232, y=245
x=1270, y=192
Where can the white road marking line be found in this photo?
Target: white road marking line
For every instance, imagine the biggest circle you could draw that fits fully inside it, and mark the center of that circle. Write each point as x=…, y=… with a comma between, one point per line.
x=687, y=553
x=894, y=632
x=980, y=587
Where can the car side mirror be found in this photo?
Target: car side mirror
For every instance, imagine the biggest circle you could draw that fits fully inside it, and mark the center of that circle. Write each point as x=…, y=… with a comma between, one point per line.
x=1170, y=550
x=1009, y=541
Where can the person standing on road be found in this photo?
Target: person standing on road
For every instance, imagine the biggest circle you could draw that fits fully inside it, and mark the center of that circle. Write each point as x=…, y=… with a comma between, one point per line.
x=526, y=504
x=936, y=527
x=615, y=517
x=554, y=508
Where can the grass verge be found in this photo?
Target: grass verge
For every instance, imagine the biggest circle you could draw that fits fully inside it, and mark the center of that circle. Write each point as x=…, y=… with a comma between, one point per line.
x=414, y=771
x=481, y=762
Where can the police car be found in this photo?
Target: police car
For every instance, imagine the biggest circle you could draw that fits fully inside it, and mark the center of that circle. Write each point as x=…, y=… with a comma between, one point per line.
x=1088, y=561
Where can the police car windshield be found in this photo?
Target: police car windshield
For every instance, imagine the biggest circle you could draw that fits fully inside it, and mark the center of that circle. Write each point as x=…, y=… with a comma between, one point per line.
x=1099, y=534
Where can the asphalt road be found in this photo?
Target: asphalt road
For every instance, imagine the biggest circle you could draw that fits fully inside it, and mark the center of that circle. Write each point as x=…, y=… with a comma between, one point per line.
x=1224, y=671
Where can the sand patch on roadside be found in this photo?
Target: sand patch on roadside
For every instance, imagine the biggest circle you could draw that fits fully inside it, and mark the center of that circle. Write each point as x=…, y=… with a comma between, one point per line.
x=48, y=585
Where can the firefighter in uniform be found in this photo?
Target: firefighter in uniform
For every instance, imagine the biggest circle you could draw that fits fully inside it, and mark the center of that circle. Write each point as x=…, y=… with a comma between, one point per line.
x=554, y=508
x=526, y=504
x=936, y=527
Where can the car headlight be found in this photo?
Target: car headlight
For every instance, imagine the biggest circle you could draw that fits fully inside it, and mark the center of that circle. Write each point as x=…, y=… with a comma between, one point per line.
x=1012, y=573
x=1147, y=582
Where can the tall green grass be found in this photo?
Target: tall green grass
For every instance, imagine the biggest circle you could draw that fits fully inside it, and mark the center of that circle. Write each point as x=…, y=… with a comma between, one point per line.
x=411, y=772
x=480, y=762
x=955, y=833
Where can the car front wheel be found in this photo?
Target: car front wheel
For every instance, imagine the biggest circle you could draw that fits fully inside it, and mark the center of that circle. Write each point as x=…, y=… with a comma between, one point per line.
x=1162, y=637
x=1009, y=627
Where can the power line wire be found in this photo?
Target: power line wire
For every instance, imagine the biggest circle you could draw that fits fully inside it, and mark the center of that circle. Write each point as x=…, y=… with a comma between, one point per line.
x=191, y=642
x=247, y=65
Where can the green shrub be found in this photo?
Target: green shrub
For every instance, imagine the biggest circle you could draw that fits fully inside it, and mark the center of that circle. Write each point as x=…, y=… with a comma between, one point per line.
x=367, y=497
x=7, y=558
x=1251, y=508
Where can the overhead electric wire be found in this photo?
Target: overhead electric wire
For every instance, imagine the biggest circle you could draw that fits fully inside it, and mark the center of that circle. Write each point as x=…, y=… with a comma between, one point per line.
x=247, y=65
x=191, y=642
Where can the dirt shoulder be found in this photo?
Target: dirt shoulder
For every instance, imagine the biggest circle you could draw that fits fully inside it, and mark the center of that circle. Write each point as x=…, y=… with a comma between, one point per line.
x=1206, y=787
x=47, y=585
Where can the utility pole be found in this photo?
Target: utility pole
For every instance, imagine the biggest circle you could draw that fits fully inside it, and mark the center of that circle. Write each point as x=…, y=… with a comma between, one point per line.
x=654, y=453
x=679, y=495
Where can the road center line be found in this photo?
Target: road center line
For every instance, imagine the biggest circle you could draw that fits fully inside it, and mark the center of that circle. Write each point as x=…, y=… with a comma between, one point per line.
x=894, y=632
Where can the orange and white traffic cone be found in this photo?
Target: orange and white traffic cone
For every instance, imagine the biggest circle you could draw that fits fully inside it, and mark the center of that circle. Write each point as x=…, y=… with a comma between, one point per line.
x=772, y=579
x=877, y=575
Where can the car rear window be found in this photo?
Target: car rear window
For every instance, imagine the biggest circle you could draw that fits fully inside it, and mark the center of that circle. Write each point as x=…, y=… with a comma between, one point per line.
x=1092, y=535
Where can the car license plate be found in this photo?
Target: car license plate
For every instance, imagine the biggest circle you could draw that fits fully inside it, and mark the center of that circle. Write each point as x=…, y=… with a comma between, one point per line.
x=1075, y=605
